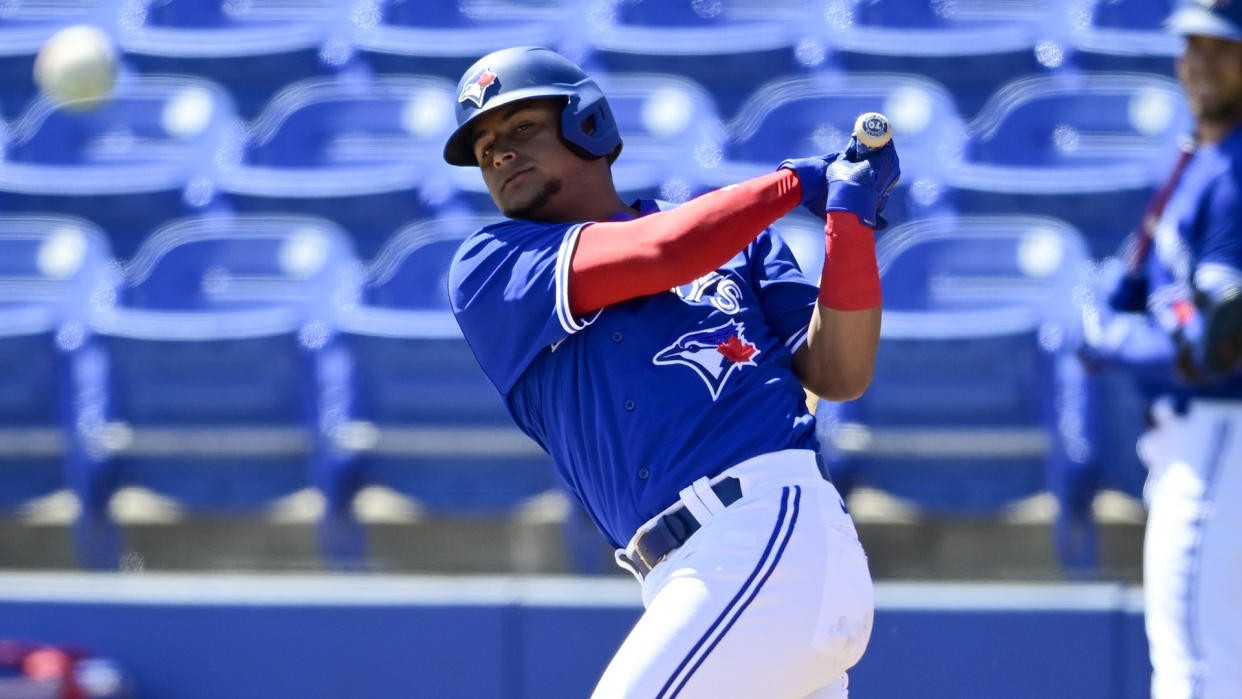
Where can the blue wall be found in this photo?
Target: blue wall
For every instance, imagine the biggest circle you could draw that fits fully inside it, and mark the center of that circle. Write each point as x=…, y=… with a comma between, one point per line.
x=208, y=637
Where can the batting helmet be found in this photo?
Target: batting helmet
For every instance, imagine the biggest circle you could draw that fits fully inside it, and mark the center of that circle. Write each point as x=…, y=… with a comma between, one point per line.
x=528, y=72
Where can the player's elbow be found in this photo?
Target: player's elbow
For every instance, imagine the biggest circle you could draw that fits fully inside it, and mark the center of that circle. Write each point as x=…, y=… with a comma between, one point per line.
x=840, y=387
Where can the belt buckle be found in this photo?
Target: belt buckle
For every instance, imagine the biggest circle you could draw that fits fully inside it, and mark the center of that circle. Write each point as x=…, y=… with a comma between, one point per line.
x=638, y=551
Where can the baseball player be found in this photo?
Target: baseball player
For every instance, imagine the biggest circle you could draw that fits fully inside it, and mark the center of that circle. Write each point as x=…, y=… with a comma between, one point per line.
x=1178, y=328
x=659, y=353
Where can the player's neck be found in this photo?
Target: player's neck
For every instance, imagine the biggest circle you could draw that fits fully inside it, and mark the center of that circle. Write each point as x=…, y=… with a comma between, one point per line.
x=1210, y=131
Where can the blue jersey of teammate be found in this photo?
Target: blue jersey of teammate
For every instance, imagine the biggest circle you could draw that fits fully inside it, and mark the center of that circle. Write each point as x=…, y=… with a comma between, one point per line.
x=644, y=396
x=1197, y=248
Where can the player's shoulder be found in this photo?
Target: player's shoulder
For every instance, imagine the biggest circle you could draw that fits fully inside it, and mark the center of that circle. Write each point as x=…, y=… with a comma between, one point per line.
x=508, y=233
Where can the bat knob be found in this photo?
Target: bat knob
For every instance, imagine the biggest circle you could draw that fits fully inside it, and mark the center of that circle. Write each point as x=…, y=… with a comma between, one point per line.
x=872, y=130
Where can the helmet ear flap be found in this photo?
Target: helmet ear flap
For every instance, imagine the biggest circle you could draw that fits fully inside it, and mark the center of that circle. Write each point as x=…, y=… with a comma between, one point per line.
x=590, y=130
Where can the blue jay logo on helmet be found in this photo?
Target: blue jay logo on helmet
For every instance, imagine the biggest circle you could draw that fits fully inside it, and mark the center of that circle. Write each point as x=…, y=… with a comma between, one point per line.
x=477, y=88
x=714, y=354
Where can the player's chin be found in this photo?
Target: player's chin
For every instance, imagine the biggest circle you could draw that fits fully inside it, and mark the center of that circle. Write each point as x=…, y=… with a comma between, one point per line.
x=528, y=202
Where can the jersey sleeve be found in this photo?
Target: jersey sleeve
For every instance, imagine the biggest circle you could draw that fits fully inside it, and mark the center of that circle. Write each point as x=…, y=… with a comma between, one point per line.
x=1219, y=263
x=508, y=288
x=786, y=296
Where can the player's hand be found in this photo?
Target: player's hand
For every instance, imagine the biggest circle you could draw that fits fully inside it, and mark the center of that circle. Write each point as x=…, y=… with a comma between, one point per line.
x=861, y=179
x=813, y=180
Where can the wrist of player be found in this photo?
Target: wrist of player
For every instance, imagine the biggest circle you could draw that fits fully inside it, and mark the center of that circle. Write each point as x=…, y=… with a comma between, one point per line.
x=812, y=180
x=850, y=280
x=854, y=198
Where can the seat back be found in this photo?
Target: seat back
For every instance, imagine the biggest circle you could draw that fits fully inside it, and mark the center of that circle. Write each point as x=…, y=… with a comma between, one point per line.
x=52, y=270
x=225, y=371
x=437, y=430
x=970, y=403
x=363, y=154
x=145, y=156
x=1088, y=148
x=251, y=48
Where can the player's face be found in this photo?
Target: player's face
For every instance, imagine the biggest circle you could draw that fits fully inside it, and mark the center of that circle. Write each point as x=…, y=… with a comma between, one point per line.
x=525, y=165
x=1210, y=71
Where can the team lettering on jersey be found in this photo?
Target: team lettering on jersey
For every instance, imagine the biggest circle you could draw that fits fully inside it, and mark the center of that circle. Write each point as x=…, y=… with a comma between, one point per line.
x=714, y=354
x=713, y=288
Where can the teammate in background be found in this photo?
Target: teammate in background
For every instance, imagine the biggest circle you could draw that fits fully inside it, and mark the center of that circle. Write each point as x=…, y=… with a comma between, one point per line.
x=658, y=353
x=1178, y=329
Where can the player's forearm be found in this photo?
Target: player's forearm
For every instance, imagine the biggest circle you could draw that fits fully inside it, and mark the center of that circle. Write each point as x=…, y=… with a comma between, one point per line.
x=620, y=260
x=838, y=359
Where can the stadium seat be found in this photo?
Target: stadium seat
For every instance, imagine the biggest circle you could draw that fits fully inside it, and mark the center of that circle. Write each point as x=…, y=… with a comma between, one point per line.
x=802, y=116
x=252, y=48
x=52, y=375
x=969, y=46
x=1088, y=148
x=362, y=153
x=1120, y=35
x=428, y=423
x=977, y=400
x=730, y=47
x=24, y=27
x=226, y=372
x=445, y=37
x=144, y=157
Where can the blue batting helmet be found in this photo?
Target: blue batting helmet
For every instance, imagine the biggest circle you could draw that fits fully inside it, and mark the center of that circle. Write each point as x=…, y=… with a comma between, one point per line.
x=529, y=72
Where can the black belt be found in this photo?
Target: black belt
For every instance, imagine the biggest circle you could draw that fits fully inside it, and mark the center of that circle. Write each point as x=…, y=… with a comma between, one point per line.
x=672, y=530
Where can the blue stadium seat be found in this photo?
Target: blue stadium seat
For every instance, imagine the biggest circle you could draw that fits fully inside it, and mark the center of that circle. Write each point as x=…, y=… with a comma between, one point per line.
x=1088, y=148
x=226, y=373
x=977, y=400
x=24, y=27
x=445, y=37
x=728, y=46
x=428, y=422
x=252, y=48
x=802, y=116
x=142, y=158
x=969, y=46
x=1120, y=35
x=362, y=153
x=52, y=378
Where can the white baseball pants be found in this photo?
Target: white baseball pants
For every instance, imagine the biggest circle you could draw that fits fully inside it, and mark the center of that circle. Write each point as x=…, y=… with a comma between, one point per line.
x=770, y=599
x=1192, y=558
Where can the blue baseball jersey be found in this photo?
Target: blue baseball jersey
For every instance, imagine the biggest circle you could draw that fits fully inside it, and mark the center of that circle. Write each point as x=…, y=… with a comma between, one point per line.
x=1197, y=247
x=638, y=399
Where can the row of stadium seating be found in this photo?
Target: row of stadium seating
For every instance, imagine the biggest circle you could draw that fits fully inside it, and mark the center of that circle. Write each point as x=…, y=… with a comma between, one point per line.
x=238, y=359
x=732, y=46
x=365, y=151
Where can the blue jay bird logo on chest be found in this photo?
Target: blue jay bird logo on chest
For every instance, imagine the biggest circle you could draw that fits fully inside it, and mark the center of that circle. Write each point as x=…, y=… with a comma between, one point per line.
x=714, y=354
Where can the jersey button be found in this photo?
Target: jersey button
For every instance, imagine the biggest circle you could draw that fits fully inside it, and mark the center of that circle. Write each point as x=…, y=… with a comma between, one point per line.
x=643, y=473
x=629, y=405
x=617, y=336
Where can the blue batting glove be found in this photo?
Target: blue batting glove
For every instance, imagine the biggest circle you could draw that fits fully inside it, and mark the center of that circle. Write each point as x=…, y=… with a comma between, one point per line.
x=860, y=181
x=813, y=180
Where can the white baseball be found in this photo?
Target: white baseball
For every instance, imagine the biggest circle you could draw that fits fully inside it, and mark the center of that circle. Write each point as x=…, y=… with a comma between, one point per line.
x=77, y=65
x=872, y=130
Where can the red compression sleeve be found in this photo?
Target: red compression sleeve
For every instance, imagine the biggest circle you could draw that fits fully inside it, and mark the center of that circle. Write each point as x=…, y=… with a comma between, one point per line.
x=850, y=280
x=620, y=260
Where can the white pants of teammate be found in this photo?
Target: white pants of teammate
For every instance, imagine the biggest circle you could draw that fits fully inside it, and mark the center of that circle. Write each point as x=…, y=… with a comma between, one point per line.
x=770, y=599
x=1192, y=558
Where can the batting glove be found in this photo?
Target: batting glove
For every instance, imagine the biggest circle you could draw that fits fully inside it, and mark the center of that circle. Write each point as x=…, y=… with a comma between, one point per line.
x=860, y=181
x=813, y=180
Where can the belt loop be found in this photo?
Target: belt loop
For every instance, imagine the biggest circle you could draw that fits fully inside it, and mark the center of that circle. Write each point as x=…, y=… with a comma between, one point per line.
x=703, y=488
x=701, y=509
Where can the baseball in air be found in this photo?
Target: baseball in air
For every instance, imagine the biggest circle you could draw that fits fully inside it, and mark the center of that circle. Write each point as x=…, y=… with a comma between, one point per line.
x=872, y=130
x=77, y=66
